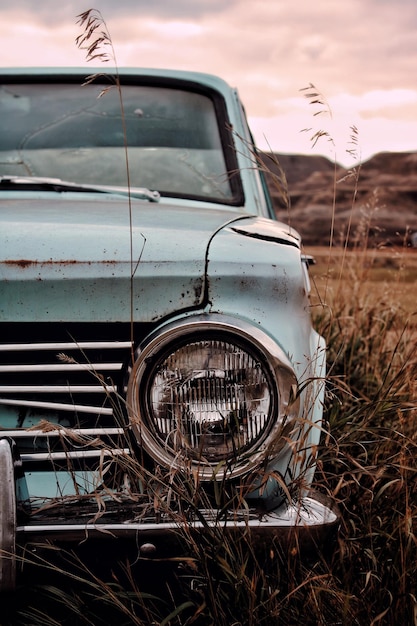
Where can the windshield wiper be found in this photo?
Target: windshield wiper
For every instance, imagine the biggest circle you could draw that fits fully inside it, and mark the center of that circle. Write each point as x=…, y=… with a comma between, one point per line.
x=39, y=183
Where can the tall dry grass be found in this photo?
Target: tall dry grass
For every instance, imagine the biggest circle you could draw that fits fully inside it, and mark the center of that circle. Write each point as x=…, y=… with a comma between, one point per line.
x=368, y=459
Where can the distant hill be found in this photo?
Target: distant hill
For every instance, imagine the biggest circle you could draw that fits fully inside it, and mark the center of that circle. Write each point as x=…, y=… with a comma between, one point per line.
x=378, y=197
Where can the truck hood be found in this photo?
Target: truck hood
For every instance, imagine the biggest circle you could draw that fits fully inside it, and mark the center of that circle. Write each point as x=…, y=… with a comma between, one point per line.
x=66, y=258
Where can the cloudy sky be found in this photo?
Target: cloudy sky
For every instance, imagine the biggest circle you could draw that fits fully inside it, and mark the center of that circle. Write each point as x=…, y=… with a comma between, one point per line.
x=360, y=54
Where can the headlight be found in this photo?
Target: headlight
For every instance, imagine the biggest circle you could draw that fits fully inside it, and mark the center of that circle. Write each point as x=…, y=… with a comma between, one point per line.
x=205, y=392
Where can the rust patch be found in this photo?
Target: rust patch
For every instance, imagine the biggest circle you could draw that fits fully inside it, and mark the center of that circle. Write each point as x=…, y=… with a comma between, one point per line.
x=23, y=263
x=20, y=263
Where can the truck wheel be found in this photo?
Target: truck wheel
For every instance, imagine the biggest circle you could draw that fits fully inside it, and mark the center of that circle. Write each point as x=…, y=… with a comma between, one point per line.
x=7, y=518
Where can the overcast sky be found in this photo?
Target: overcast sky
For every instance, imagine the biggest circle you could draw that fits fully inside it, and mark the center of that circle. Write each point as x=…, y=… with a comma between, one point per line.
x=360, y=54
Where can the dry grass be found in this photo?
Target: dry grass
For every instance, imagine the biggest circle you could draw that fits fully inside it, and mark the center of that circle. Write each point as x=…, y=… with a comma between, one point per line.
x=379, y=275
x=363, y=302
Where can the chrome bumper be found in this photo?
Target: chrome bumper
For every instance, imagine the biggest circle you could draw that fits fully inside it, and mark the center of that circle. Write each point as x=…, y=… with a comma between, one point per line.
x=307, y=523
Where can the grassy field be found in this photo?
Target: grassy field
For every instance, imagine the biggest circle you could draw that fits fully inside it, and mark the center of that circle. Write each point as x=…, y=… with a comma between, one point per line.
x=364, y=303
x=375, y=276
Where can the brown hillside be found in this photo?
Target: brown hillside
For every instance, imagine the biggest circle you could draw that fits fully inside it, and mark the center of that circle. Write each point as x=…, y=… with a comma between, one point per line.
x=379, y=196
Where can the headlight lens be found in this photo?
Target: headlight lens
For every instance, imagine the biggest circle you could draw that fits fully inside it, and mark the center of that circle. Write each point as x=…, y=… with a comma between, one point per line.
x=205, y=394
x=210, y=397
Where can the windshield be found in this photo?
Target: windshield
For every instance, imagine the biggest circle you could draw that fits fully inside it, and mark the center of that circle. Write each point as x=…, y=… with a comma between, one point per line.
x=77, y=133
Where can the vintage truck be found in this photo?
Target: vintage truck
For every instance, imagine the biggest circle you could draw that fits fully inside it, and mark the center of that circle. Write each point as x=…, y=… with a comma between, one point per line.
x=158, y=365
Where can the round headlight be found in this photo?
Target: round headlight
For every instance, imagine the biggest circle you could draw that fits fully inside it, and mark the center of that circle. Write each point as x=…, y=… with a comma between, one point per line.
x=204, y=393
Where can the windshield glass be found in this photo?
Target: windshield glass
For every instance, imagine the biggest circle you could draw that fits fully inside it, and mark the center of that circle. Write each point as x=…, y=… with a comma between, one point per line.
x=78, y=134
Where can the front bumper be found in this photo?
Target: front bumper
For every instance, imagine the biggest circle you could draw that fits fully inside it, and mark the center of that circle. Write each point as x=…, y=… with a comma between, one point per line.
x=306, y=523
x=303, y=524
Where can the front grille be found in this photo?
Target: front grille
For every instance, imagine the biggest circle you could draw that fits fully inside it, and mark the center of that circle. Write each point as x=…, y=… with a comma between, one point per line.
x=61, y=393
x=61, y=377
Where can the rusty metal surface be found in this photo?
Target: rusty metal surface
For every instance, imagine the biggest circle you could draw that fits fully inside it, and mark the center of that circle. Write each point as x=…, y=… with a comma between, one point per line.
x=69, y=259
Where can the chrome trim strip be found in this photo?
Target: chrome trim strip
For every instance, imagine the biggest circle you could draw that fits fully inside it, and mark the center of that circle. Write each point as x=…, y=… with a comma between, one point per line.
x=57, y=389
x=82, y=345
x=59, y=406
x=95, y=432
x=85, y=454
x=61, y=367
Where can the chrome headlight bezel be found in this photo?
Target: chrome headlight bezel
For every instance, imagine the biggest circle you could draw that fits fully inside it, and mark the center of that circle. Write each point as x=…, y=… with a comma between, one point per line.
x=277, y=373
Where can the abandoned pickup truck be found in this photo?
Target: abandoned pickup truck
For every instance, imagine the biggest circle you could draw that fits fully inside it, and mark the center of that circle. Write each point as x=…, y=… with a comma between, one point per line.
x=159, y=369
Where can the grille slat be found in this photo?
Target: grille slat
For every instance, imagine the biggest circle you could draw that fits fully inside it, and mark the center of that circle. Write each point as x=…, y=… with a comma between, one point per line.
x=60, y=367
x=77, y=454
x=20, y=434
x=60, y=346
x=72, y=389
x=59, y=406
